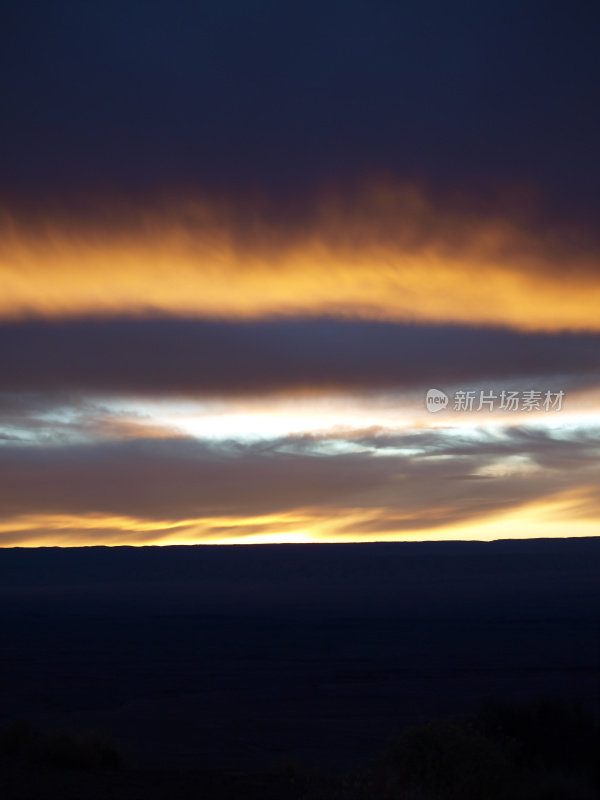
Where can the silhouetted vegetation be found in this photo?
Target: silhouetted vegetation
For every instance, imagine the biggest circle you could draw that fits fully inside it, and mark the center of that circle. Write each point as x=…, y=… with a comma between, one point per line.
x=542, y=751
x=544, y=735
x=23, y=744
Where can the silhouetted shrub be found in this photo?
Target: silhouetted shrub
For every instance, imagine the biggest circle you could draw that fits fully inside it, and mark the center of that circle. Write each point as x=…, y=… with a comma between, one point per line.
x=437, y=761
x=543, y=751
x=545, y=735
x=21, y=742
x=446, y=759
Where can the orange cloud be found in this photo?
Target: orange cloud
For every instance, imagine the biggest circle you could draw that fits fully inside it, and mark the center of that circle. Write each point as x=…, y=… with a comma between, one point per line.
x=385, y=254
x=572, y=513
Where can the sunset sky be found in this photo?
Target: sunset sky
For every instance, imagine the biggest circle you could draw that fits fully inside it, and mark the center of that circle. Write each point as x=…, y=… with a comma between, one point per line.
x=240, y=241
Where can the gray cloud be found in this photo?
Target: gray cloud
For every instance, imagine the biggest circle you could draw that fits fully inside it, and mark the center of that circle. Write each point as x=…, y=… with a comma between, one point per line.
x=179, y=357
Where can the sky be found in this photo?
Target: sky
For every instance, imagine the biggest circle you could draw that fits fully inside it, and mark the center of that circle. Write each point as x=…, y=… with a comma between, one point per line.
x=240, y=243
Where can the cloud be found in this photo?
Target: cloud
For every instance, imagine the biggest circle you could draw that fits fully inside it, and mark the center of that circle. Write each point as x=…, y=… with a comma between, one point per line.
x=183, y=490
x=379, y=252
x=191, y=357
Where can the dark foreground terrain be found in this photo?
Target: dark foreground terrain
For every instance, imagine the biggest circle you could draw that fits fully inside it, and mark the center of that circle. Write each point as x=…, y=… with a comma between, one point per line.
x=242, y=661
x=546, y=750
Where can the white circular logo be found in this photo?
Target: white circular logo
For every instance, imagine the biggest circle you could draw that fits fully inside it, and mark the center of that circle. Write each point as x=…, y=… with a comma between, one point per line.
x=435, y=400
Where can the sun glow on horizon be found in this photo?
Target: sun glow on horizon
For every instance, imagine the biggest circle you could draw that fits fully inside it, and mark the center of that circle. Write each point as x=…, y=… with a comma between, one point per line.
x=554, y=517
